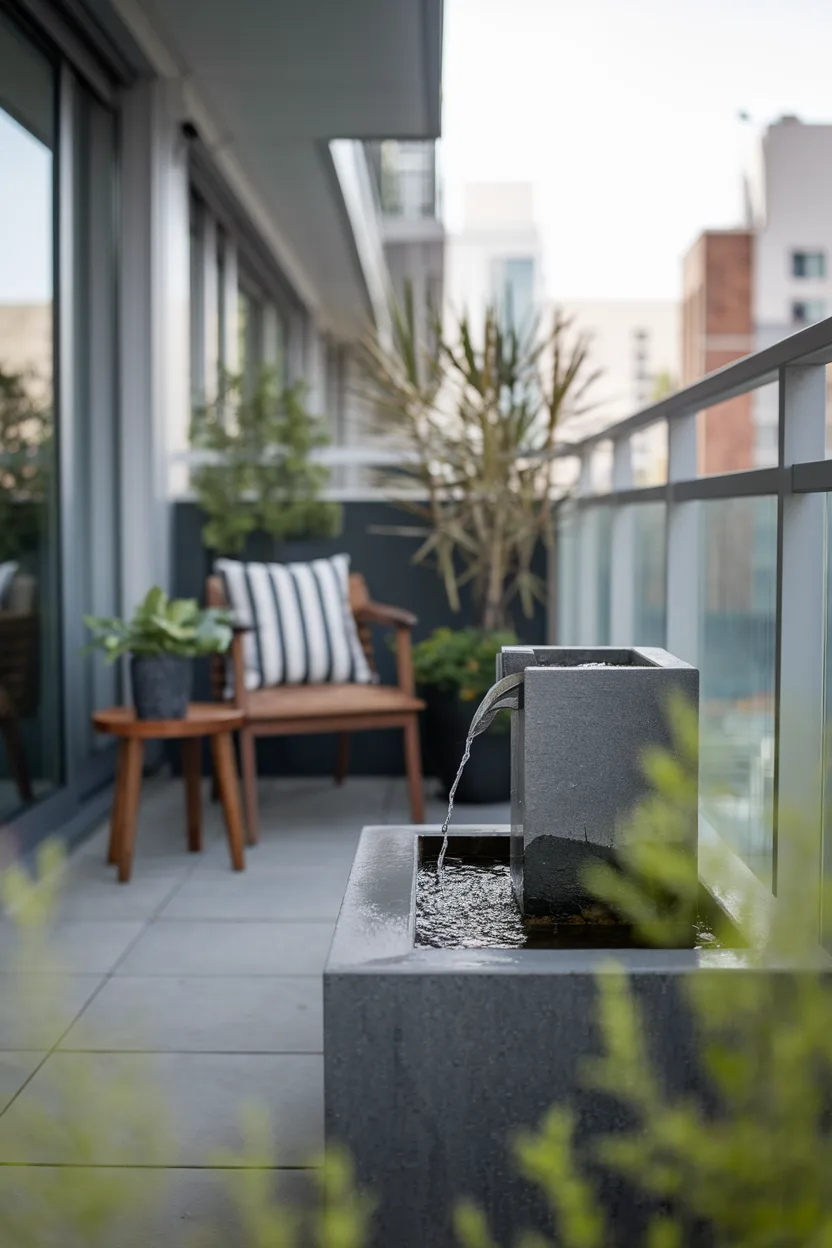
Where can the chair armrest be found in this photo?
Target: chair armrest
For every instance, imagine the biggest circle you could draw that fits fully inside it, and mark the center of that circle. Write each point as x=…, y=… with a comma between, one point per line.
x=389, y=617
x=238, y=666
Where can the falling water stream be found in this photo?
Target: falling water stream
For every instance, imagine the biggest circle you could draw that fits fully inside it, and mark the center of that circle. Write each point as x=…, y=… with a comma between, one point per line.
x=503, y=695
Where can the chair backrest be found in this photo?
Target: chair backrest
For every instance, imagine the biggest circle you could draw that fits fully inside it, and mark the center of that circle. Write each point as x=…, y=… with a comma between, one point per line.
x=215, y=596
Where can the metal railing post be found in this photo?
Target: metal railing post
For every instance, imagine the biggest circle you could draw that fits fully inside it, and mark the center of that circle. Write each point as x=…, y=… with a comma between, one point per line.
x=588, y=560
x=622, y=557
x=801, y=616
x=683, y=564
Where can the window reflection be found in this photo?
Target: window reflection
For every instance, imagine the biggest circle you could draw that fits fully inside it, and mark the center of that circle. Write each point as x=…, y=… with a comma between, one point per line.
x=29, y=699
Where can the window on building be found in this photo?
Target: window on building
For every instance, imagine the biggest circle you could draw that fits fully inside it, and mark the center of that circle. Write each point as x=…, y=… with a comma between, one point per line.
x=512, y=282
x=807, y=312
x=808, y=264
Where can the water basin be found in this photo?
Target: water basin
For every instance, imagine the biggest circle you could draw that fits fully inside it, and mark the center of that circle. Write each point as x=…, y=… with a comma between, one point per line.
x=470, y=904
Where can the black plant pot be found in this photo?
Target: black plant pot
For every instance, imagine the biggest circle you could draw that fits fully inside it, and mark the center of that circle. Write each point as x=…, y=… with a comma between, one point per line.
x=487, y=775
x=161, y=686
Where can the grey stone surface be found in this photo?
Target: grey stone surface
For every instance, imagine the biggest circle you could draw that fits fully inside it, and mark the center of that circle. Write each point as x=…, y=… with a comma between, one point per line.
x=186, y=1007
x=239, y=1014
x=204, y=1095
x=308, y=891
x=79, y=946
x=174, y=1208
x=433, y=1057
x=578, y=743
x=15, y=1069
x=35, y=1010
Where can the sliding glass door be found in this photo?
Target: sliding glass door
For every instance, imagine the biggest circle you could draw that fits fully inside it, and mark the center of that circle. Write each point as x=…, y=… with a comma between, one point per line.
x=31, y=753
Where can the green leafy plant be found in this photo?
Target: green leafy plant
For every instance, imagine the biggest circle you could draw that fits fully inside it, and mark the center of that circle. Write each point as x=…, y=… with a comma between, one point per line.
x=265, y=478
x=479, y=410
x=25, y=468
x=162, y=625
x=749, y=1164
x=460, y=660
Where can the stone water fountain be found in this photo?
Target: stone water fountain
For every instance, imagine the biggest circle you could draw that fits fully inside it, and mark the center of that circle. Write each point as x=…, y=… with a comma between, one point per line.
x=444, y=1031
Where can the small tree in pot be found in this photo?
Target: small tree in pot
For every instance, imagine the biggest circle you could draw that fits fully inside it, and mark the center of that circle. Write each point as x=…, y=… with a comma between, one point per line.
x=479, y=414
x=162, y=638
x=264, y=477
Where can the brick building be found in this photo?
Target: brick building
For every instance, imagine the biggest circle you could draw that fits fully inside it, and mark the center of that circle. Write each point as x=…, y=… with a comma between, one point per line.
x=718, y=327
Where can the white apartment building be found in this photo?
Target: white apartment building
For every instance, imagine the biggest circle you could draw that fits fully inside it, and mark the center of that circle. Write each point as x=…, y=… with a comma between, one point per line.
x=789, y=181
x=497, y=256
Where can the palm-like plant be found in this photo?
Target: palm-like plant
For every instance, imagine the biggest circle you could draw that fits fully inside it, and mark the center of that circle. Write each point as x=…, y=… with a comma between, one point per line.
x=480, y=414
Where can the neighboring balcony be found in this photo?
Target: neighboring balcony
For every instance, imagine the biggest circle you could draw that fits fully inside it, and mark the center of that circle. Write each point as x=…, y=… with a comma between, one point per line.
x=408, y=186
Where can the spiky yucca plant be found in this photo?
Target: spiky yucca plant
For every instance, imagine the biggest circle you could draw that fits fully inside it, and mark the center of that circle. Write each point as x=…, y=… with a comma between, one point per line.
x=479, y=410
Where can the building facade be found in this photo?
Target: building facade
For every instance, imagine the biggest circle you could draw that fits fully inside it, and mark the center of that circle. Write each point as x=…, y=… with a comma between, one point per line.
x=496, y=258
x=179, y=197
x=718, y=327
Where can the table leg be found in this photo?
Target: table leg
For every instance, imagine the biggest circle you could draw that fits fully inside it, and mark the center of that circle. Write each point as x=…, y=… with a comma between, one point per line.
x=133, y=760
x=192, y=772
x=222, y=751
x=117, y=816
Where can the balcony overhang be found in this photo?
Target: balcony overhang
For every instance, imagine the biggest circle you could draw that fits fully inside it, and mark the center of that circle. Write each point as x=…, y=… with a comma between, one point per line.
x=271, y=83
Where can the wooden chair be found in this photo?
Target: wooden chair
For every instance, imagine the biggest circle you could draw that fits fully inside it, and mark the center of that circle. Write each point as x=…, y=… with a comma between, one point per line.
x=288, y=710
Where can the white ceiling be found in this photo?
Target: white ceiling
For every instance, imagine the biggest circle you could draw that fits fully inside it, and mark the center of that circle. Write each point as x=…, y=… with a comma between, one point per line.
x=283, y=77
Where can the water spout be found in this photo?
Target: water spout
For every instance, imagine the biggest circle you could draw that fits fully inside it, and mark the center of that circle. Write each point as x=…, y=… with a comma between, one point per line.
x=502, y=696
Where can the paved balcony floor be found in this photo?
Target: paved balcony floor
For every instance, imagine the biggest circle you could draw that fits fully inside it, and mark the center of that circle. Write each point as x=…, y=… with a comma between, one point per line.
x=205, y=982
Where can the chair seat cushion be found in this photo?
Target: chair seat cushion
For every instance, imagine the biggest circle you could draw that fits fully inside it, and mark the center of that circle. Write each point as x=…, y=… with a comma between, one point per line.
x=302, y=629
x=328, y=701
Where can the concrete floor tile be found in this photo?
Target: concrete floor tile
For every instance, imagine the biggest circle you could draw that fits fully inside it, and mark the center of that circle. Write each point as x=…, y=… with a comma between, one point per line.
x=203, y=1014
x=36, y=1010
x=295, y=892
x=15, y=1069
x=202, y=1096
x=76, y=946
x=167, y=1209
x=176, y=947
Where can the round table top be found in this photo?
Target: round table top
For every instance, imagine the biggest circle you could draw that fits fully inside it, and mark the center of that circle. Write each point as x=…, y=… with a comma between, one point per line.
x=203, y=720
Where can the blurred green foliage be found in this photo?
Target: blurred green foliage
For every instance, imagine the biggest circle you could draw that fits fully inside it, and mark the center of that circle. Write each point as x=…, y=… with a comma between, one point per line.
x=752, y=1165
x=265, y=479
x=26, y=441
x=461, y=661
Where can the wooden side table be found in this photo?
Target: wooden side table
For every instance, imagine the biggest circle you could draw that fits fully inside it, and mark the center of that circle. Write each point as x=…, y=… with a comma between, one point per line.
x=202, y=720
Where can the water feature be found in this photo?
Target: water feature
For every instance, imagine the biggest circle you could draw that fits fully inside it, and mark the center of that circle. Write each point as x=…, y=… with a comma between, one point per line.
x=503, y=695
x=476, y=907
x=459, y=1007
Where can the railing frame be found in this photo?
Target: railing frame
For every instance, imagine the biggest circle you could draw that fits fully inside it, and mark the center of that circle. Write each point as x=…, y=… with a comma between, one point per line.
x=799, y=482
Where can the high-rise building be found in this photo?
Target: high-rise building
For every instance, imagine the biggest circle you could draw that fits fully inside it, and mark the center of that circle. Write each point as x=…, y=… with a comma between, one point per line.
x=746, y=289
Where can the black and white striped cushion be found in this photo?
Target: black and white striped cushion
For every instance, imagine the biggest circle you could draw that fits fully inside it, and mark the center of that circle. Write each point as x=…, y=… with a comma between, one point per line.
x=303, y=630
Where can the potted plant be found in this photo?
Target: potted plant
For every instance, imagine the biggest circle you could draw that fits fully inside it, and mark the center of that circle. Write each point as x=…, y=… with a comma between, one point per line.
x=262, y=476
x=478, y=409
x=162, y=638
x=454, y=668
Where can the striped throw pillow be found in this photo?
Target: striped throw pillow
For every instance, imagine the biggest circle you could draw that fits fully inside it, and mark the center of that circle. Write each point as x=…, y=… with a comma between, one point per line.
x=302, y=627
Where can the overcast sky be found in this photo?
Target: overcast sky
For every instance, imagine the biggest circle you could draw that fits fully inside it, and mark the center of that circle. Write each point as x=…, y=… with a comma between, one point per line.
x=624, y=117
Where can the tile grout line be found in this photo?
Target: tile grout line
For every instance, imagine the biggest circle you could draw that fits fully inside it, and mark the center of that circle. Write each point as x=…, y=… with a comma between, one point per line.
x=107, y=976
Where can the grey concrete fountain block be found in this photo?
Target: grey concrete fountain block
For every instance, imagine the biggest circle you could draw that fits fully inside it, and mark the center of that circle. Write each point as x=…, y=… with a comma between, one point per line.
x=578, y=743
x=433, y=1058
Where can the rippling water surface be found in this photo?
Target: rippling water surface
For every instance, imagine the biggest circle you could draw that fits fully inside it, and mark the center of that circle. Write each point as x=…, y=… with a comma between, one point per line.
x=471, y=905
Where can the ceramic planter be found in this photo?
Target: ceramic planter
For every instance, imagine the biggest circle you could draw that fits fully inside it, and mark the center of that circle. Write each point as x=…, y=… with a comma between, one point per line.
x=161, y=686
